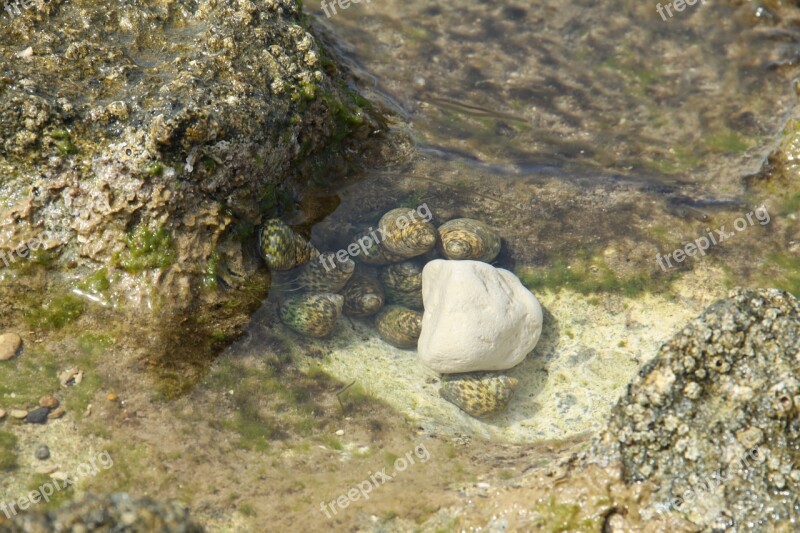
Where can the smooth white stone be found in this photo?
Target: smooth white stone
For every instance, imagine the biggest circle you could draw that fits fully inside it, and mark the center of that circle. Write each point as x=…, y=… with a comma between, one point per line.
x=477, y=317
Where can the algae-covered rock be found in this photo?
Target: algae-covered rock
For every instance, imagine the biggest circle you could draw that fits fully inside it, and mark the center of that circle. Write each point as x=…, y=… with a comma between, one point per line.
x=140, y=146
x=714, y=420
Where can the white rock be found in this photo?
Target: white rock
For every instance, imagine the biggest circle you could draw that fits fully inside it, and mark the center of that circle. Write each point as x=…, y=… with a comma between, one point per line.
x=477, y=317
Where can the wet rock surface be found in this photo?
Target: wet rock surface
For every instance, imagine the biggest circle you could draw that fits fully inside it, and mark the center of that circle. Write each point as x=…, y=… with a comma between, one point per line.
x=113, y=512
x=138, y=178
x=714, y=419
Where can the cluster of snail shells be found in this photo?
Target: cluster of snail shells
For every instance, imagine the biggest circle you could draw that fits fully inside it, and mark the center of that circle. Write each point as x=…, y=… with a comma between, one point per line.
x=401, y=238
x=314, y=306
x=326, y=287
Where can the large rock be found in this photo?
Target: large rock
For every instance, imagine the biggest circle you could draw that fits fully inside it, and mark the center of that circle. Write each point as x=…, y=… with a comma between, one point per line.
x=714, y=421
x=173, y=130
x=477, y=317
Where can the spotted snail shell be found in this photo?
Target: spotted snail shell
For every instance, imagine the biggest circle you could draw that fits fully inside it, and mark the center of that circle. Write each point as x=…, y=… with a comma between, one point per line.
x=399, y=326
x=326, y=273
x=371, y=251
x=313, y=315
x=466, y=238
x=363, y=297
x=402, y=283
x=282, y=248
x=406, y=233
x=479, y=394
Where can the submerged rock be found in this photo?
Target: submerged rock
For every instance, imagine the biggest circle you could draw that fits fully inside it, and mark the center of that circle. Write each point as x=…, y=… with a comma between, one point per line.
x=37, y=416
x=714, y=420
x=477, y=317
x=9, y=345
x=113, y=512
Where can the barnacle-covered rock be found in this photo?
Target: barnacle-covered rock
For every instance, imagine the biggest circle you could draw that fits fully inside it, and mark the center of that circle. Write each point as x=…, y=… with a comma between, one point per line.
x=281, y=248
x=467, y=238
x=363, y=297
x=399, y=326
x=479, y=394
x=405, y=232
x=311, y=314
x=402, y=283
x=326, y=273
x=713, y=420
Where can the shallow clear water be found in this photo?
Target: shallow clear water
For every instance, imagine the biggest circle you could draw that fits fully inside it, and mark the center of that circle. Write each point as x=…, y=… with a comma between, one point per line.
x=591, y=137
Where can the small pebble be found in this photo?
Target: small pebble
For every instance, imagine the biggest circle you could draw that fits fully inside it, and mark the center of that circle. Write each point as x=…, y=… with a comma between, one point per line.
x=48, y=401
x=18, y=414
x=38, y=416
x=9, y=345
x=42, y=452
x=57, y=413
x=340, y=432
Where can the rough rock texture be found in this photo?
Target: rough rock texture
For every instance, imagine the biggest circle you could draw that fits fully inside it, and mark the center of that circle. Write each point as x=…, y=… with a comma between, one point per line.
x=477, y=317
x=147, y=140
x=114, y=512
x=714, y=420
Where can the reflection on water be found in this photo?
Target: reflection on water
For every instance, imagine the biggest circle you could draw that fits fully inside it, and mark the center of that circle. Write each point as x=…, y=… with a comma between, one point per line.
x=606, y=88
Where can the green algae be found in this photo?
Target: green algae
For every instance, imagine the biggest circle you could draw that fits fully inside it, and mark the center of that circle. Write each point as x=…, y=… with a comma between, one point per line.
x=452, y=525
x=726, y=142
x=56, y=313
x=146, y=248
x=347, y=118
x=559, y=517
x=210, y=279
x=588, y=274
x=247, y=509
x=63, y=142
x=29, y=377
x=59, y=497
x=791, y=204
x=353, y=397
x=781, y=270
x=188, y=350
x=155, y=169
x=277, y=402
x=94, y=344
x=332, y=442
x=8, y=456
x=679, y=160
x=272, y=201
x=97, y=282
